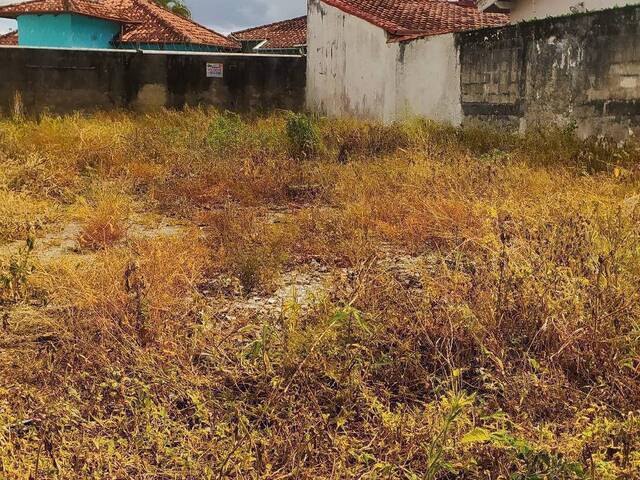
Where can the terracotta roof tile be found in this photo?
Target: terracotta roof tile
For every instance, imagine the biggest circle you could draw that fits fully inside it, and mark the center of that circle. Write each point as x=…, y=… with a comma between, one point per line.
x=285, y=34
x=10, y=38
x=158, y=25
x=406, y=19
x=144, y=20
x=98, y=9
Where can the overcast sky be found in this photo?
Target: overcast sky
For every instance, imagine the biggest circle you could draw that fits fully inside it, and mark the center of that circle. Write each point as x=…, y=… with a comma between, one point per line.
x=225, y=15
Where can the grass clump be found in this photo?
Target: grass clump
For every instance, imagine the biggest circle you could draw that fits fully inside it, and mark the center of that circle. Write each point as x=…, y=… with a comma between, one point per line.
x=225, y=131
x=419, y=301
x=14, y=277
x=21, y=212
x=248, y=249
x=104, y=222
x=304, y=137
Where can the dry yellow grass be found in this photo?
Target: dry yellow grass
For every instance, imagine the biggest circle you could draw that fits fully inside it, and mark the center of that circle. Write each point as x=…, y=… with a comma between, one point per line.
x=104, y=221
x=479, y=315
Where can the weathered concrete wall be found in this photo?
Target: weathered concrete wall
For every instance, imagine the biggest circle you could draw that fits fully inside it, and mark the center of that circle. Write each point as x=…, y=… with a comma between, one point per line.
x=67, y=80
x=538, y=9
x=353, y=70
x=428, y=79
x=350, y=65
x=580, y=68
x=583, y=69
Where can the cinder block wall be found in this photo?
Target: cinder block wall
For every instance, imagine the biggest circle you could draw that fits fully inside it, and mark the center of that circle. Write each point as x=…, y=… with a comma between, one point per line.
x=63, y=81
x=582, y=69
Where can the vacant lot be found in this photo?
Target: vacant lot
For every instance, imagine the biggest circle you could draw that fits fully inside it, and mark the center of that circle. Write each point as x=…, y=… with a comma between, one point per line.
x=197, y=295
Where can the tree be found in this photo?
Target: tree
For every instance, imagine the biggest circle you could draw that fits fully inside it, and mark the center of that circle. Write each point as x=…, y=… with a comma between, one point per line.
x=179, y=7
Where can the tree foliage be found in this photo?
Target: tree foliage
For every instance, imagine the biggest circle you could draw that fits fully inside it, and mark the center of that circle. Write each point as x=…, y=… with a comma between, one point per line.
x=179, y=7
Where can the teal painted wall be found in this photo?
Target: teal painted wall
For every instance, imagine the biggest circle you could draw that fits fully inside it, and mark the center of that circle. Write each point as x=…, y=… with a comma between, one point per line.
x=44, y=30
x=94, y=32
x=66, y=31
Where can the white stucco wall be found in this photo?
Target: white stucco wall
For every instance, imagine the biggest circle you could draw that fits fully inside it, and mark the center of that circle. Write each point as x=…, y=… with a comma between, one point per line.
x=353, y=70
x=347, y=64
x=428, y=79
x=531, y=9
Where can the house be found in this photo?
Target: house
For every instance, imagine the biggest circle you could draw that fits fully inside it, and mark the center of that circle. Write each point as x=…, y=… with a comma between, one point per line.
x=285, y=37
x=384, y=59
x=523, y=10
x=99, y=24
x=9, y=39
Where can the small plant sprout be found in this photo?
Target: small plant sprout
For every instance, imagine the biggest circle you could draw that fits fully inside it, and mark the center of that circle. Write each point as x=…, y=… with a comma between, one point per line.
x=15, y=279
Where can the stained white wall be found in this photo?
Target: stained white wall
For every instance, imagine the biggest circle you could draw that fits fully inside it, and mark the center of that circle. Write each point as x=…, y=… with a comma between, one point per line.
x=428, y=79
x=531, y=9
x=353, y=70
x=348, y=64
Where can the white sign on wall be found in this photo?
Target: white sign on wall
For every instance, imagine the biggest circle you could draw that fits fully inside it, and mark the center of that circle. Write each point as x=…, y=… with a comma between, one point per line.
x=215, y=70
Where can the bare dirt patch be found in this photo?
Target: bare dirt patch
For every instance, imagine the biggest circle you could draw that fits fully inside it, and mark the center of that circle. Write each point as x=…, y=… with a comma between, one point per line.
x=63, y=241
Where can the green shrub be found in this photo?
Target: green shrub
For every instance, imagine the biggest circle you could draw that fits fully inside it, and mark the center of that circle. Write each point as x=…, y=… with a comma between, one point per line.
x=225, y=131
x=304, y=136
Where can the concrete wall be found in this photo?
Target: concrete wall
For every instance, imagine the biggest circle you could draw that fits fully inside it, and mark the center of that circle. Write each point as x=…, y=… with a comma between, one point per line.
x=538, y=9
x=353, y=70
x=66, y=31
x=66, y=80
x=583, y=69
x=350, y=65
x=428, y=79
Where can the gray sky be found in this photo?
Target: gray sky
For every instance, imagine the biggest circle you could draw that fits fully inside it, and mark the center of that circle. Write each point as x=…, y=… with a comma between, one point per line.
x=225, y=15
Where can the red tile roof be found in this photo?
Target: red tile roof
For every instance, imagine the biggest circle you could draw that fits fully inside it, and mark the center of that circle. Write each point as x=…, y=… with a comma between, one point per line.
x=10, y=38
x=81, y=7
x=406, y=19
x=144, y=20
x=158, y=25
x=279, y=35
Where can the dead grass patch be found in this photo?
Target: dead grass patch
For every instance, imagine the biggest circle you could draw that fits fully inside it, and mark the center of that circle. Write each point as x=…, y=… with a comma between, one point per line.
x=105, y=221
x=479, y=313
